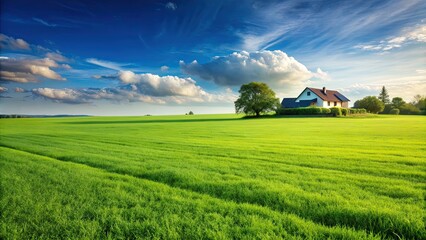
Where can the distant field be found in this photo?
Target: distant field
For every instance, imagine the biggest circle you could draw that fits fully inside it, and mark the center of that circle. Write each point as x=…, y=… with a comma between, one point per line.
x=213, y=177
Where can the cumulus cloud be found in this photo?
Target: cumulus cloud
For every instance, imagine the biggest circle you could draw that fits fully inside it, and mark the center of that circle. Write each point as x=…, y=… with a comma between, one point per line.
x=3, y=89
x=154, y=85
x=126, y=93
x=57, y=57
x=171, y=6
x=273, y=67
x=417, y=34
x=20, y=90
x=28, y=70
x=7, y=42
x=320, y=74
x=134, y=87
x=164, y=68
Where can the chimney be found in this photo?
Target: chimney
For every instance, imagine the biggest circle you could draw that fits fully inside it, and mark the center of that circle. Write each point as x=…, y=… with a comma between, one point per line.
x=324, y=90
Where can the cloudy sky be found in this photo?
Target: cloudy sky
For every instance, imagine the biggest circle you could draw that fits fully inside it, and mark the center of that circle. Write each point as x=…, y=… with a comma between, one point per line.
x=170, y=57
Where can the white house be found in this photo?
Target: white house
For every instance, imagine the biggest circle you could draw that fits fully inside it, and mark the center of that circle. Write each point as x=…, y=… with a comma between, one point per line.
x=317, y=97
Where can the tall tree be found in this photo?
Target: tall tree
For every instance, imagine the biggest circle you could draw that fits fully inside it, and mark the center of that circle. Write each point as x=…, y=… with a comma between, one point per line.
x=384, y=96
x=256, y=98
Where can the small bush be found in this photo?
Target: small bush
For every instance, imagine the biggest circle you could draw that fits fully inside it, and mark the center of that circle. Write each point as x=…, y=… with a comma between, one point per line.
x=394, y=111
x=336, y=111
x=357, y=111
x=345, y=111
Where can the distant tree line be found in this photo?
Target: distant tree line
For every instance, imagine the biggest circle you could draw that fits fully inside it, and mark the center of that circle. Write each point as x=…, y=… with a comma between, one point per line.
x=383, y=105
x=12, y=116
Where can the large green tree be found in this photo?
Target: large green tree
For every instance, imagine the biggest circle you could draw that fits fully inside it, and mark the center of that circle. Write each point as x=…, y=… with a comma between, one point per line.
x=371, y=103
x=398, y=102
x=256, y=98
x=384, y=96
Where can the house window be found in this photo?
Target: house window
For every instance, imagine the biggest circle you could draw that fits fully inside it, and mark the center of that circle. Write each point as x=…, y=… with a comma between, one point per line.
x=308, y=93
x=328, y=103
x=335, y=103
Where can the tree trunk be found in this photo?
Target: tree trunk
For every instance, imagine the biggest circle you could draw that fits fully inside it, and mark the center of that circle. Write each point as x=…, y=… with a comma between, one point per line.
x=257, y=114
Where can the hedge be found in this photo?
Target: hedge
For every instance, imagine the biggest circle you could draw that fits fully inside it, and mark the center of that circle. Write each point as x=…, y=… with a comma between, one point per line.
x=334, y=111
x=357, y=111
x=304, y=111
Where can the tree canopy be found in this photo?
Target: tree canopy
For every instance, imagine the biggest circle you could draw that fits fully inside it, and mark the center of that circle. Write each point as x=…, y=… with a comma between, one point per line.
x=398, y=102
x=256, y=98
x=370, y=103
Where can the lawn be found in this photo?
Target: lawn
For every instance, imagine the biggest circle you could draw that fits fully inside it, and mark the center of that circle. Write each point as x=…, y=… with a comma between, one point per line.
x=213, y=177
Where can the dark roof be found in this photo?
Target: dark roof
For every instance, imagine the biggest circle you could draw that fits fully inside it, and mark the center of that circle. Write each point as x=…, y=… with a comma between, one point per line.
x=341, y=97
x=329, y=95
x=291, y=103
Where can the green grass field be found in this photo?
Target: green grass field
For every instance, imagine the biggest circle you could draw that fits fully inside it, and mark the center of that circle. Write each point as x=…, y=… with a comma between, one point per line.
x=213, y=177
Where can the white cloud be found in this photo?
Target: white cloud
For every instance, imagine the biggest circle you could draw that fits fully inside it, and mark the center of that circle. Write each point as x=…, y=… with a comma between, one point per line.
x=19, y=90
x=126, y=93
x=268, y=26
x=155, y=85
x=3, y=89
x=61, y=95
x=57, y=57
x=148, y=88
x=171, y=6
x=416, y=34
x=320, y=74
x=28, y=70
x=164, y=68
x=66, y=66
x=272, y=67
x=44, y=22
x=12, y=43
x=106, y=64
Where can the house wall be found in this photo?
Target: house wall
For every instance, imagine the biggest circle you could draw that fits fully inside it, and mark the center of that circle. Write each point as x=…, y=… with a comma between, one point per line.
x=320, y=102
x=325, y=104
x=304, y=96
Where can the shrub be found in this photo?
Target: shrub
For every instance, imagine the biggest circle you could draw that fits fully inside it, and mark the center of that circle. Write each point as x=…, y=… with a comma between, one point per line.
x=394, y=111
x=336, y=111
x=325, y=110
x=409, y=108
x=371, y=103
x=304, y=111
x=345, y=111
x=357, y=111
x=387, y=109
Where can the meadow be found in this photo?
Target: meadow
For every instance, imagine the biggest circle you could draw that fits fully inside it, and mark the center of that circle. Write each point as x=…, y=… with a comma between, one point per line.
x=213, y=177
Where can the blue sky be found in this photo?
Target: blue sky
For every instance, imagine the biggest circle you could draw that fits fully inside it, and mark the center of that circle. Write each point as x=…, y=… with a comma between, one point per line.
x=169, y=57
